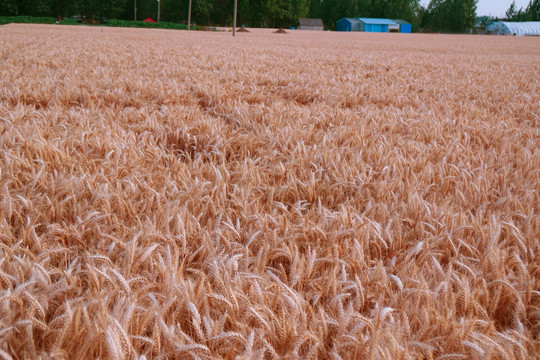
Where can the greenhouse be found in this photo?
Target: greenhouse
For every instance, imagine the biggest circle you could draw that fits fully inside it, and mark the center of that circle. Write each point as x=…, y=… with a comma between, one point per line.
x=530, y=28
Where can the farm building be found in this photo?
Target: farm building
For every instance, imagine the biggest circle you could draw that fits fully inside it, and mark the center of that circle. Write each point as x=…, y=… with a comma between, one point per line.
x=403, y=26
x=349, y=24
x=365, y=24
x=393, y=27
x=528, y=28
x=311, y=24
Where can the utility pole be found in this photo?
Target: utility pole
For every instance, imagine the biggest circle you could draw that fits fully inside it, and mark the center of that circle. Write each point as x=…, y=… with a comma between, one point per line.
x=158, y=9
x=189, y=16
x=135, y=10
x=234, y=17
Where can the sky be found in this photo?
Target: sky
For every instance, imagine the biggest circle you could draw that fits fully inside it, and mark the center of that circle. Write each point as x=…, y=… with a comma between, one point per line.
x=493, y=7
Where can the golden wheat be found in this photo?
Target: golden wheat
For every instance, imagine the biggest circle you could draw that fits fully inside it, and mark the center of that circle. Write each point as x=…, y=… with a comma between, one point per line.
x=169, y=194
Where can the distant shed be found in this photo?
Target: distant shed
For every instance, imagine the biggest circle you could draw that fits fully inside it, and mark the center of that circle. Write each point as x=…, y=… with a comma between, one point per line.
x=349, y=24
x=527, y=28
x=404, y=26
x=376, y=25
x=311, y=24
x=365, y=24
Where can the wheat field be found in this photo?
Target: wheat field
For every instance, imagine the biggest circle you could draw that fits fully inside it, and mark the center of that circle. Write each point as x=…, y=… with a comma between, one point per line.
x=190, y=195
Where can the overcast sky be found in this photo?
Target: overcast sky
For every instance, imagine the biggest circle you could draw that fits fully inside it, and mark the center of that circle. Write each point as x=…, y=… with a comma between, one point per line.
x=493, y=7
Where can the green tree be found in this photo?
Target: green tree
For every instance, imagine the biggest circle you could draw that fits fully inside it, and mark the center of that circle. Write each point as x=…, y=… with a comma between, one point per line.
x=532, y=13
x=298, y=9
x=275, y=11
x=333, y=10
x=398, y=9
x=111, y=9
x=454, y=16
x=512, y=11
x=314, y=8
x=32, y=8
x=61, y=8
x=8, y=7
x=202, y=11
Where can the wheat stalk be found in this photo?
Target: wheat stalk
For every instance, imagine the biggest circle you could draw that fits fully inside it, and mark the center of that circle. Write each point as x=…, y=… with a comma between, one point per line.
x=336, y=195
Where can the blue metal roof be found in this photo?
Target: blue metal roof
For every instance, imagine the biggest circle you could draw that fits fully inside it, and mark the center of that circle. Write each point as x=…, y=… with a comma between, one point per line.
x=377, y=21
x=401, y=22
x=351, y=20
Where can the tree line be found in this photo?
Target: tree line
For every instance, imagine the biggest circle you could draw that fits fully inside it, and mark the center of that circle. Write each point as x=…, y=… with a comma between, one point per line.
x=530, y=13
x=438, y=16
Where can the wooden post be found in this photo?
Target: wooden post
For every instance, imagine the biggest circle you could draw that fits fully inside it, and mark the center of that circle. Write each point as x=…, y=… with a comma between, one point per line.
x=234, y=17
x=189, y=16
x=158, y=9
x=135, y=10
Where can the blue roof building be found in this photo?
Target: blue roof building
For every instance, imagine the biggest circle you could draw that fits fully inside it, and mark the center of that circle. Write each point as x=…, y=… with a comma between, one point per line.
x=404, y=26
x=364, y=24
x=349, y=24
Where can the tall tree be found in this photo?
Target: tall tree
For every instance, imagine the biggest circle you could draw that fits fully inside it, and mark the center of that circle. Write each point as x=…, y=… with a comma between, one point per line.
x=202, y=11
x=275, y=11
x=111, y=9
x=298, y=9
x=61, y=8
x=512, y=11
x=454, y=16
x=8, y=8
x=315, y=8
x=31, y=7
x=533, y=11
x=333, y=10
